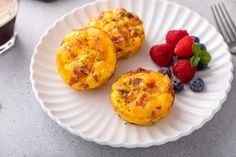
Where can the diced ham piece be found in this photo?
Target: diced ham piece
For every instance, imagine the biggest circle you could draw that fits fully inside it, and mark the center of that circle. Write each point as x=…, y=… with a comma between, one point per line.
x=142, y=101
x=137, y=81
x=151, y=84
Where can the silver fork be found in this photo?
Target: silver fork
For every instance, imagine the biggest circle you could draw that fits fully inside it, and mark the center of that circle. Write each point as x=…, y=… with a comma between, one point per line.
x=226, y=25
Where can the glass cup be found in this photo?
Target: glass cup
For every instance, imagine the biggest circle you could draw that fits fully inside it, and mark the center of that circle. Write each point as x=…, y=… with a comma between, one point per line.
x=8, y=12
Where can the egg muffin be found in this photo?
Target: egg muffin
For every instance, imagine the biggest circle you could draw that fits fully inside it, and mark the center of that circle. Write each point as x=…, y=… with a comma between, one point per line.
x=142, y=96
x=86, y=58
x=124, y=28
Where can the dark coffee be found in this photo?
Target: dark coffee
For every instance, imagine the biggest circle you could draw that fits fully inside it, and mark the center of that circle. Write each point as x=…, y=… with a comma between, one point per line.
x=7, y=31
x=8, y=11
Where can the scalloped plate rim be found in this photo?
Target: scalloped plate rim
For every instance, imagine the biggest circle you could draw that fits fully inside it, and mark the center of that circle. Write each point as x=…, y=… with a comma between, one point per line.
x=123, y=144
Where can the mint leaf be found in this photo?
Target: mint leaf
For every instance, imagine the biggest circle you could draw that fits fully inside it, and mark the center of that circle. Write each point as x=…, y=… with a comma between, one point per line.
x=199, y=56
x=205, y=57
x=194, y=61
x=196, y=49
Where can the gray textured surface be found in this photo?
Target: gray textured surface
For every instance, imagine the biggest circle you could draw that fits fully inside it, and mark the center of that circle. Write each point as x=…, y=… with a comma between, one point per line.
x=26, y=130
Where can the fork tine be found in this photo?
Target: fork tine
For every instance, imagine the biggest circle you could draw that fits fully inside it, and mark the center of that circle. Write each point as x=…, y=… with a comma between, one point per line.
x=219, y=22
x=214, y=15
x=229, y=19
x=223, y=22
x=226, y=24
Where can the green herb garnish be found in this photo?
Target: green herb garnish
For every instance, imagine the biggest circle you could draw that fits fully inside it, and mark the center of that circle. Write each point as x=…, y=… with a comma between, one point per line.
x=130, y=81
x=205, y=57
x=128, y=14
x=106, y=21
x=194, y=60
x=144, y=89
x=199, y=56
x=123, y=91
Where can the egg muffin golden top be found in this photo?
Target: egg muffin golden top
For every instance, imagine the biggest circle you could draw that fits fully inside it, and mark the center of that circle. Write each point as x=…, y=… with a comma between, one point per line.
x=124, y=28
x=86, y=59
x=142, y=96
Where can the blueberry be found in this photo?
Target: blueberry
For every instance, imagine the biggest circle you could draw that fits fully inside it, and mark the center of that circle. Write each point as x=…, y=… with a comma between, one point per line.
x=201, y=66
x=178, y=85
x=203, y=47
x=196, y=39
x=165, y=71
x=197, y=84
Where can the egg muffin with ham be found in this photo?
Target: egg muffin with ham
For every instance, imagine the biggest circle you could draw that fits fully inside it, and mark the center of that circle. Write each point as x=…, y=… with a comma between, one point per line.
x=142, y=96
x=124, y=28
x=86, y=58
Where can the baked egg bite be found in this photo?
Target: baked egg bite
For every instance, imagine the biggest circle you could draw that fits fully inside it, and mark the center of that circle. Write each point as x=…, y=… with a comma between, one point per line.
x=142, y=96
x=86, y=58
x=124, y=28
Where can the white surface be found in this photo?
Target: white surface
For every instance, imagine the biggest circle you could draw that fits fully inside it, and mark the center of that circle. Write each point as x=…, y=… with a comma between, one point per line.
x=94, y=119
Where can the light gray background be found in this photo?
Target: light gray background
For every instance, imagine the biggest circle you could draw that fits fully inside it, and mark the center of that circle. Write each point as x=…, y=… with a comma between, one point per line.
x=26, y=130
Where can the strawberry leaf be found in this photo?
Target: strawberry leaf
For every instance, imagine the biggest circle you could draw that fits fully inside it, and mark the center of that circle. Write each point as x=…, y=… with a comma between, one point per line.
x=205, y=57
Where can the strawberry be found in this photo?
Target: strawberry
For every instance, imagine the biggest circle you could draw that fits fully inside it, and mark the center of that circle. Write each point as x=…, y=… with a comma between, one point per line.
x=162, y=54
x=184, y=47
x=174, y=36
x=183, y=71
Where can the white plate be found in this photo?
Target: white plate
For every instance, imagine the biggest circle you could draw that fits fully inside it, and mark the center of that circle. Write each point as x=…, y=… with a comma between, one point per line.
x=90, y=115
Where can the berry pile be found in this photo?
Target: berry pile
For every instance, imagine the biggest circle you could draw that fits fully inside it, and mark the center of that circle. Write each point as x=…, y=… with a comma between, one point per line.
x=186, y=54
